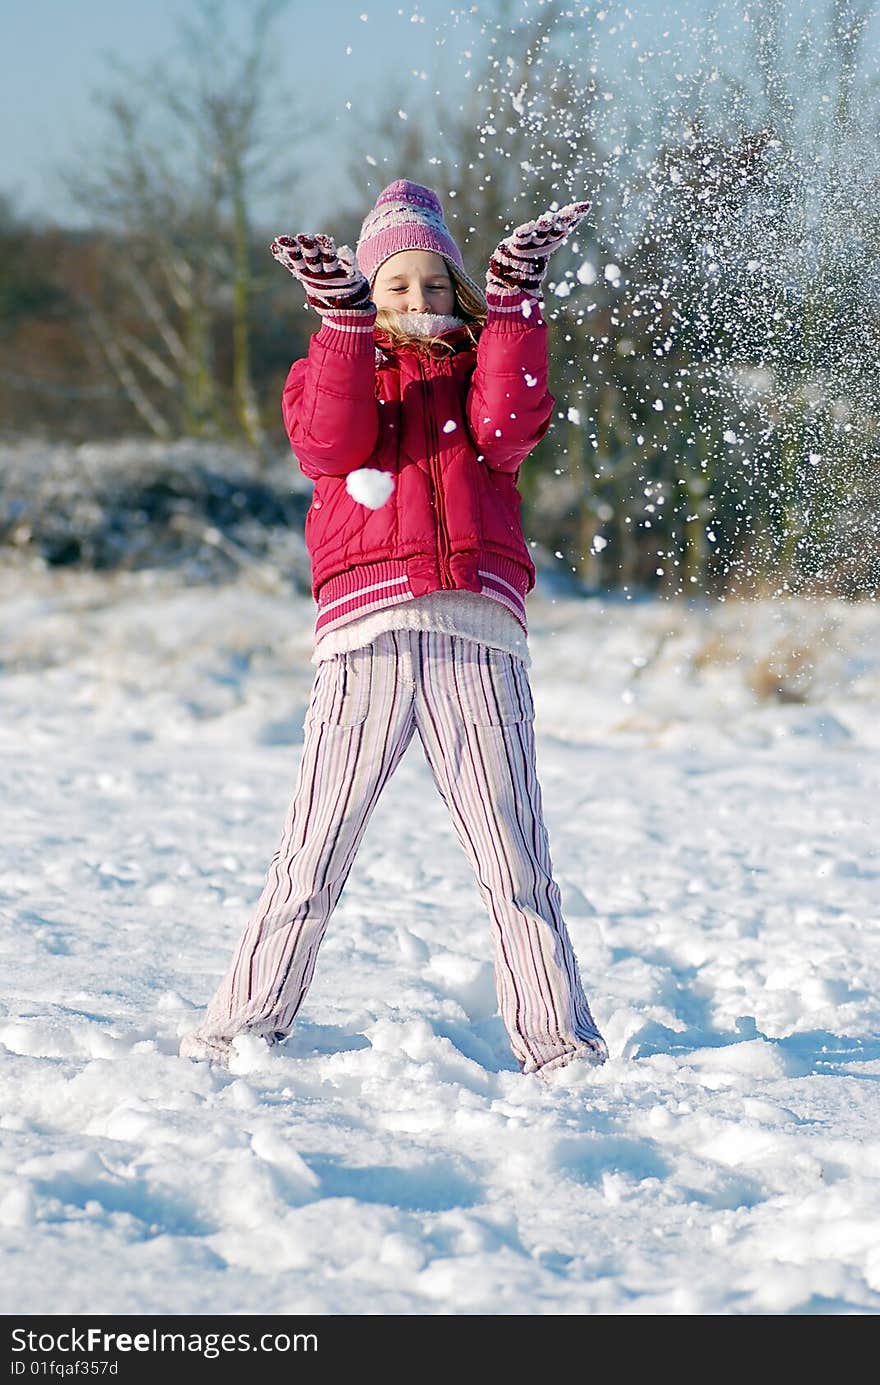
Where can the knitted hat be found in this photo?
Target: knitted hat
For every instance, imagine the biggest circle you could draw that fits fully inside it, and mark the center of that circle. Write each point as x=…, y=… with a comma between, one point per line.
x=407, y=216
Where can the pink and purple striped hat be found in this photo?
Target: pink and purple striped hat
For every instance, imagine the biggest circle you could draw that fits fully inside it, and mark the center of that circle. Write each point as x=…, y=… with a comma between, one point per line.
x=408, y=216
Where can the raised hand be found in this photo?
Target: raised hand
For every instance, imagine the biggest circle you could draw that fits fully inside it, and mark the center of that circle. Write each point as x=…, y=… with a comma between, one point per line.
x=331, y=279
x=518, y=266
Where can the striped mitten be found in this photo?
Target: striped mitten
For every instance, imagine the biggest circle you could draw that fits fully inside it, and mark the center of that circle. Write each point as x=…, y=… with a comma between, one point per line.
x=334, y=285
x=517, y=267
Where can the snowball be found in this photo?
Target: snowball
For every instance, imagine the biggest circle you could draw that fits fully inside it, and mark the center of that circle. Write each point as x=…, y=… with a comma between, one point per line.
x=450, y=425
x=599, y=543
x=369, y=487
x=586, y=273
x=730, y=435
x=612, y=272
x=531, y=380
x=574, y=415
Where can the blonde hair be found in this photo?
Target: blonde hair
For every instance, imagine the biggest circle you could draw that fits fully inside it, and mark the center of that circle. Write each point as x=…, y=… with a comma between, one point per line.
x=470, y=306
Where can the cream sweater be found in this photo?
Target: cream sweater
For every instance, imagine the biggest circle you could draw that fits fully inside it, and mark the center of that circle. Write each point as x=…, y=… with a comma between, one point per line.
x=467, y=614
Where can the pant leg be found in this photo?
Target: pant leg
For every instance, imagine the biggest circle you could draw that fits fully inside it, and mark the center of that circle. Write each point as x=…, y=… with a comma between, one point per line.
x=358, y=725
x=474, y=715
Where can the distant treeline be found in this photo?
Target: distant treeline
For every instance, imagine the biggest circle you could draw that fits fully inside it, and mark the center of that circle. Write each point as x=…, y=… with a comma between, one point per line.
x=714, y=328
x=95, y=344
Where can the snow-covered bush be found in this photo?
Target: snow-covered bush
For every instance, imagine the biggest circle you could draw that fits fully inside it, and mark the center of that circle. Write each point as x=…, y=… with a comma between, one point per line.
x=141, y=504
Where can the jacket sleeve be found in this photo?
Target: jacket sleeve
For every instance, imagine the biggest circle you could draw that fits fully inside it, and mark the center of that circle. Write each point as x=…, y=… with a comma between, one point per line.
x=509, y=404
x=329, y=402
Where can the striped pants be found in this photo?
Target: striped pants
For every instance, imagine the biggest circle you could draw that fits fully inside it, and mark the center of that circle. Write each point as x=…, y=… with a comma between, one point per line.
x=472, y=708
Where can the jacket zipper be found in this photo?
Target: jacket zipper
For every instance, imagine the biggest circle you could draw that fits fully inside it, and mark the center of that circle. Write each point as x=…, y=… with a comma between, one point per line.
x=436, y=474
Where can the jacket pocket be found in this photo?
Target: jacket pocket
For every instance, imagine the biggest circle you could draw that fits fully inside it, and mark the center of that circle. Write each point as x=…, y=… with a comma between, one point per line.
x=493, y=686
x=341, y=691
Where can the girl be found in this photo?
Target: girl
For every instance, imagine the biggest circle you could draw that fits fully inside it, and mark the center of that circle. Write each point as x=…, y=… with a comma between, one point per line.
x=418, y=401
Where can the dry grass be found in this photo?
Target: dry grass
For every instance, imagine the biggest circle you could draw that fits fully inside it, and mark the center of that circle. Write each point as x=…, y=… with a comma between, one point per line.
x=784, y=675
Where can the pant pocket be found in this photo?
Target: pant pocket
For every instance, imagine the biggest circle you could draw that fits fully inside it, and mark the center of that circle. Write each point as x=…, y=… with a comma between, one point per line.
x=341, y=691
x=493, y=686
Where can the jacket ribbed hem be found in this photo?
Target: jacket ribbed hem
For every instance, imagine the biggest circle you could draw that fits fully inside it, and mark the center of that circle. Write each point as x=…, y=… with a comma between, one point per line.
x=376, y=585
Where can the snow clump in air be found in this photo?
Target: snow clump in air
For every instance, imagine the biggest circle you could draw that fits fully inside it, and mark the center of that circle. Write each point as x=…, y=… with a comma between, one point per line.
x=369, y=486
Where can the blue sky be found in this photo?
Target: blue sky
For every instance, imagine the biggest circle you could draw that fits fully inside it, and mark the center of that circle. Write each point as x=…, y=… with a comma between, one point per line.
x=336, y=64
x=56, y=54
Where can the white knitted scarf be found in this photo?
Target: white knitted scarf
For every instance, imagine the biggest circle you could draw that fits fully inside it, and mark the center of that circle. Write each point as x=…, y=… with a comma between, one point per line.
x=428, y=324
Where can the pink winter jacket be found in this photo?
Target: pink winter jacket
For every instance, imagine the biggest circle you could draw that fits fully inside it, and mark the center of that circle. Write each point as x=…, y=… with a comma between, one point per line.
x=452, y=430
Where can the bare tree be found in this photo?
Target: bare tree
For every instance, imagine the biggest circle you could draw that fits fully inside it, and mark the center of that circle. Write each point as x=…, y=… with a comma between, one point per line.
x=173, y=189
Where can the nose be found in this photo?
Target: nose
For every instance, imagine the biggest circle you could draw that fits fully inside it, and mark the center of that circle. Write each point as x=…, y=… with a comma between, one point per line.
x=418, y=301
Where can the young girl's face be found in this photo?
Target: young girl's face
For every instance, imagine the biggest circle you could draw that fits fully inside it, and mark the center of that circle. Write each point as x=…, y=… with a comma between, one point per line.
x=414, y=281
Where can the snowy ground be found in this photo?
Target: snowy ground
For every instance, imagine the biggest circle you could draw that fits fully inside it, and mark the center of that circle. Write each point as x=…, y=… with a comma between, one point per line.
x=711, y=784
